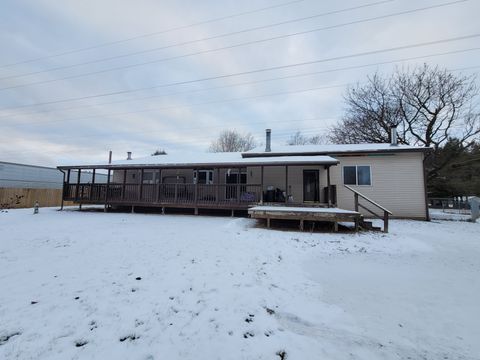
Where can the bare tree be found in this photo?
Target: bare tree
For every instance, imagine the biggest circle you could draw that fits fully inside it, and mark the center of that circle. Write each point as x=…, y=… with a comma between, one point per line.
x=371, y=110
x=429, y=105
x=232, y=141
x=299, y=139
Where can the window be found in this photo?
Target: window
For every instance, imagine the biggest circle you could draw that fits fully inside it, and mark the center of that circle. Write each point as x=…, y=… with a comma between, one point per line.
x=357, y=175
x=350, y=175
x=203, y=177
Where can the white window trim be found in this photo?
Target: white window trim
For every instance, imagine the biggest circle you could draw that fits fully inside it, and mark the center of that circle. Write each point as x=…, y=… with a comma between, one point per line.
x=207, y=173
x=356, y=175
x=236, y=173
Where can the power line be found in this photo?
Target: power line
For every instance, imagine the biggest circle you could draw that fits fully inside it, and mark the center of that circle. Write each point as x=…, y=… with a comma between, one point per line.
x=251, y=82
x=200, y=40
x=258, y=41
x=195, y=129
x=278, y=134
x=190, y=105
x=342, y=57
x=68, y=52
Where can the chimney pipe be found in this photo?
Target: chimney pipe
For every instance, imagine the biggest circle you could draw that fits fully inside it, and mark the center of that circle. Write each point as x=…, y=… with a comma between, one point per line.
x=110, y=157
x=393, y=135
x=268, y=141
x=129, y=155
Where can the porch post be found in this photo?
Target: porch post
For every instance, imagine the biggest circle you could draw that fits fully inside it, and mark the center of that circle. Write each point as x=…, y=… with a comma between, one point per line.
x=286, y=183
x=329, y=195
x=239, y=174
x=195, y=191
x=63, y=189
x=217, y=187
x=92, y=185
x=106, y=190
x=159, y=193
x=140, y=190
x=261, y=184
x=68, y=183
x=123, y=183
x=78, y=183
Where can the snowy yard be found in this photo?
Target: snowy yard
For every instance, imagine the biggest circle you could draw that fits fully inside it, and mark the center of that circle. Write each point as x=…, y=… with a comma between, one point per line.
x=136, y=286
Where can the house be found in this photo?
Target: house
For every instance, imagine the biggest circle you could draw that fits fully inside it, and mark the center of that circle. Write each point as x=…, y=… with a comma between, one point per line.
x=388, y=177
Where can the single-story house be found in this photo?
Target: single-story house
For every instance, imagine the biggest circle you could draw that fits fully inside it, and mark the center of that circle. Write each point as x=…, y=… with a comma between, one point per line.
x=387, y=177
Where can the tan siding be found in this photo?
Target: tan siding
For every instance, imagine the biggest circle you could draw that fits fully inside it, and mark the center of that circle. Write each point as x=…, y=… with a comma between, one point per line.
x=397, y=183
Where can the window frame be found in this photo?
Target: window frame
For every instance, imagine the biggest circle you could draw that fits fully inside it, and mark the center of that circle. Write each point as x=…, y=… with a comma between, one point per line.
x=209, y=176
x=356, y=175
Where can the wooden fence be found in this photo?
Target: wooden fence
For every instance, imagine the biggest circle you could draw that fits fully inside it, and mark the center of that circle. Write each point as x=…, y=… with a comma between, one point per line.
x=25, y=198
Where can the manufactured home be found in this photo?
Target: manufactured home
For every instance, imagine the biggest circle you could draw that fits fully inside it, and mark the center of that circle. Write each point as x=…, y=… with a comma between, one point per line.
x=369, y=179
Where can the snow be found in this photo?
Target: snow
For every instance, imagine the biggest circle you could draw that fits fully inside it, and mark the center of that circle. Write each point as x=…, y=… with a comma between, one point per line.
x=224, y=288
x=333, y=148
x=198, y=158
x=450, y=214
x=302, y=209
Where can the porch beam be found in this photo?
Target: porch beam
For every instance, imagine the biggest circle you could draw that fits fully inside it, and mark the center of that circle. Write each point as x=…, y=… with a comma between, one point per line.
x=63, y=189
x=140, y=189
x=217, y=187
x=239, y=174
x=195, y=191
x=79, y=174
x=286, y=183
x=159, y=187
x=261, y=184
x=92, y=187
x=329, y=195
x=106, y=190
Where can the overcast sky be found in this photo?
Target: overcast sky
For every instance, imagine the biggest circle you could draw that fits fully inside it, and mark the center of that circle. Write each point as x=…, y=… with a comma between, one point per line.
x=89, y=49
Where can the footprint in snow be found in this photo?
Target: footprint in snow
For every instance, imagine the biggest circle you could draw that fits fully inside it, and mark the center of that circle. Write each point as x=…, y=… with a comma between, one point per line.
x=80, y=343
x=131, y=337
x=4, y=338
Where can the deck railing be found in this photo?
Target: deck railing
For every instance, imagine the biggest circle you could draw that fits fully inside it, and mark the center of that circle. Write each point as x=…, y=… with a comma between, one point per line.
x=171, y=194
x=386, y=212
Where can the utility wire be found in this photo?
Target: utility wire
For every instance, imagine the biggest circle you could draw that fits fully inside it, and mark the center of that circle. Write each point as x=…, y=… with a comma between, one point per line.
x=198, y=40
x=189, y=105
x=258, y=41
x=195, y=129
x=182, y=27
x=247, y=83
x=342, y=57
x=207, y=138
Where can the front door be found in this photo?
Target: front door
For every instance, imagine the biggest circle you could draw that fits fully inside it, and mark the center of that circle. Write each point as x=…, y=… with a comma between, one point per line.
x=311, y=186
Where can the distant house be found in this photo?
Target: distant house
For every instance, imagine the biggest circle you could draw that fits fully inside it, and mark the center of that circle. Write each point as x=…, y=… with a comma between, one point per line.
x=389, y=177
x=22, y=185
x=21, y=176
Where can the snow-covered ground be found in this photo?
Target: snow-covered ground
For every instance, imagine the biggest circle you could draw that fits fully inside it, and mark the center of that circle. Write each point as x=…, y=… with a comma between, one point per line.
x=450, y=214
x=136, y=286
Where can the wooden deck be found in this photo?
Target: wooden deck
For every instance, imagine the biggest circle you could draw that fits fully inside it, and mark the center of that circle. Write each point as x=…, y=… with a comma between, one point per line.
x=220, y=196
x=304, y=213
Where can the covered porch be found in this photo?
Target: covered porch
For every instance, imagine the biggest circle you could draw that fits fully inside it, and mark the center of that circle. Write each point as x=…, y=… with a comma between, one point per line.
x=234, y=185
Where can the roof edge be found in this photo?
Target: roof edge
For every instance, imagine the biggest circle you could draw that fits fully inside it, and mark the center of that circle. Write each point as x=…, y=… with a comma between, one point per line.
x=328, y=153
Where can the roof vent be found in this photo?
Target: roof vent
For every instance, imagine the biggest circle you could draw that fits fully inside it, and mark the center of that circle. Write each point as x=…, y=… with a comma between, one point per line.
x=129, y=155
x=393, y=135
x=268, y=140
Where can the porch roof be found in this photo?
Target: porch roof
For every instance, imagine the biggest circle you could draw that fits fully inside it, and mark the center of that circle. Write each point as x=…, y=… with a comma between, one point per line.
x=202, y=160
